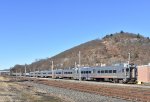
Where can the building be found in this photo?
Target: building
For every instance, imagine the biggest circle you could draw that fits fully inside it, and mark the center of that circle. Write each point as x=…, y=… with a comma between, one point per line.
x=4, y=72
x=144, y=73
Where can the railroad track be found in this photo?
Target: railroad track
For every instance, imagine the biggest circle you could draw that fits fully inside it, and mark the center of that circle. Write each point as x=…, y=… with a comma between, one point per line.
x=133, y=94
x=126, y=93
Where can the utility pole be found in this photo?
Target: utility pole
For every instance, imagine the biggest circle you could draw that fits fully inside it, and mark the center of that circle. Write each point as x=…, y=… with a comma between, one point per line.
x=129, y=61
x=10, y=71
x=34, y=72
x=75, y=64
x=20, y=72
x=52, y=69
x=16, y=74
x=79, y=66
x=25, y=70
x=129, y=57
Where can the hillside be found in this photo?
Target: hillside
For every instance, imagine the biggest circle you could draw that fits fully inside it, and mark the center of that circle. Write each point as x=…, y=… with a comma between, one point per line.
x=113, y=48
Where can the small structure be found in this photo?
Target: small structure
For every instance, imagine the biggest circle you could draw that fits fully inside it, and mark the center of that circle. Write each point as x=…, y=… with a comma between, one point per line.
x=144, y=73
x=4, y=72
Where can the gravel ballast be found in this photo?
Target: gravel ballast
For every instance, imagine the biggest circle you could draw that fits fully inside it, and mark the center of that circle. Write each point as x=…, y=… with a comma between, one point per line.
x=73, y=95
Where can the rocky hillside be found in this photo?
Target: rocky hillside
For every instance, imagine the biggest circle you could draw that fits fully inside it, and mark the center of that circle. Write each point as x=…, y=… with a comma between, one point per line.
x=113, y=48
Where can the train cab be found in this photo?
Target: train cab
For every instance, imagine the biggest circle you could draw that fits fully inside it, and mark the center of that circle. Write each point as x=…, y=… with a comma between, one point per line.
x=131, y=73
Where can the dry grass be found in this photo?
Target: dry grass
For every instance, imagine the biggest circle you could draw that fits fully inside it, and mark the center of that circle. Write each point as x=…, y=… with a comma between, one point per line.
x=15, y=92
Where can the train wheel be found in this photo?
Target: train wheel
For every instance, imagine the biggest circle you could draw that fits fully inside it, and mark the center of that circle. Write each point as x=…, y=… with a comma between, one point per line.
x=115, y=81
x=121, y=81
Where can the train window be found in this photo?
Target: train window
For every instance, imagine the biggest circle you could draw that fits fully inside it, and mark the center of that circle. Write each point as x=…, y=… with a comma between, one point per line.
x=127, y=70
x=122, y=70
x=106, y=71
x=98, y=71
x=89, y=71
x=86, y=72
x=81, y=72
x=102, y=71
x=110, y=71
x=114, y=71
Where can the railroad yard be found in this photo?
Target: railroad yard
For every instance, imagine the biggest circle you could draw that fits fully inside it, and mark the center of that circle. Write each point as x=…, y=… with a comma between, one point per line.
x=73, y=91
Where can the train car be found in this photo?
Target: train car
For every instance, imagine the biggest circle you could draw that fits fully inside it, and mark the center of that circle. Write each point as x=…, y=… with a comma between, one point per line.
x=31, y=74
x=35, y=74
x=42, y=74
x=39, y=74
x=68, y=73
x=16, y=74
x=48, y=74
x=119, y=73
x=108, y=73
x=58, y=73
x=85, y=73
x=25, y=74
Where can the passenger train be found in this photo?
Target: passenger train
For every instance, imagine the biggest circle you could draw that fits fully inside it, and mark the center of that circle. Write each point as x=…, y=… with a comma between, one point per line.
x=122, y=73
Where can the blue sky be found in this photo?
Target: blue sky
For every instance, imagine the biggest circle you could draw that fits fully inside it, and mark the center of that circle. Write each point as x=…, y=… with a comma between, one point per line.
x=35, y=29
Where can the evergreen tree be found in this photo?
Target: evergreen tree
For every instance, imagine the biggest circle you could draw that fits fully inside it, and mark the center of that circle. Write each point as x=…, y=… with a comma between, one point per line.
x=121, y=31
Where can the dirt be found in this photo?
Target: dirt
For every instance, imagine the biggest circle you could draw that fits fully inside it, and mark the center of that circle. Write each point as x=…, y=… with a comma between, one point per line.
x=12, y=91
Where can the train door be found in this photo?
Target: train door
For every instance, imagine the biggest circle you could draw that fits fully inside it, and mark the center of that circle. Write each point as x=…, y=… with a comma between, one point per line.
x=133, y=72
x=128, y=72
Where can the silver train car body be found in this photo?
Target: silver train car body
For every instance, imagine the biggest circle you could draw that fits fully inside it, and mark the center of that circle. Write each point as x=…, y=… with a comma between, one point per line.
x=122, y=73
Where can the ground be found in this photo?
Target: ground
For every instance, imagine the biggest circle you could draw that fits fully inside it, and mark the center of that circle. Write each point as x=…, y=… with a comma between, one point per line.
x=26, y=89
x=12, y=91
